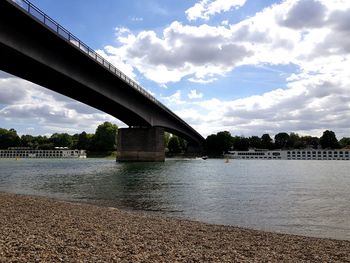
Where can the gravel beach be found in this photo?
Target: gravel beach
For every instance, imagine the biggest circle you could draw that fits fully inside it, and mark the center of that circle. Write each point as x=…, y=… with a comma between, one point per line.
x=35, y=229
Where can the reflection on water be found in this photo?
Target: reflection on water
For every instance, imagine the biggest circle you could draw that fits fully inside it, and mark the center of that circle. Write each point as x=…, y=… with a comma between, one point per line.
x=300, y=197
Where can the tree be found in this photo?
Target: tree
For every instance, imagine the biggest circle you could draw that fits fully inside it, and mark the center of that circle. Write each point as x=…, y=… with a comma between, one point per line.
x=84, y=141
x=224, y=141
x=61, y=140
x=255, y=142
x=266, y=141
x=281, y=140
x=294, y=141
x=174, y=145
x=344, y=142
x=105, y=137
x=42, y=142
x=28, y=141
x=167, y=136
x=211, y=145
x=216, y=144
x=75, y=138
x=240, y=143
x=329, y=140
x=8, y=138
x=183, y=144
x=309, y=141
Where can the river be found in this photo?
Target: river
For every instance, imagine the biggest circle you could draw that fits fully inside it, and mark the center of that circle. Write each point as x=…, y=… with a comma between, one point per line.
x=310, y=198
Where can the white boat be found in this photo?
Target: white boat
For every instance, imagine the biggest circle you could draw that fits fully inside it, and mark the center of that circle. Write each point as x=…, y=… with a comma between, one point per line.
x=295, y=154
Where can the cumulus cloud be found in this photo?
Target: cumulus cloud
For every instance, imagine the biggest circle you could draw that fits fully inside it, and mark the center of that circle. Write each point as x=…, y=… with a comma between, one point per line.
x=296, y=32
x=174, y=98
x=11, y=91
x=312, y=35
x=194, y=94
x=181, y=51
x=31, y=104
x=207, y=8
x=304, y=14
x=308, y=105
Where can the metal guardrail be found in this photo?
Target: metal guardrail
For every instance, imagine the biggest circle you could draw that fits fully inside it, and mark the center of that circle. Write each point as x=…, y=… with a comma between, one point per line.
x=55, y=27
x=73, y=40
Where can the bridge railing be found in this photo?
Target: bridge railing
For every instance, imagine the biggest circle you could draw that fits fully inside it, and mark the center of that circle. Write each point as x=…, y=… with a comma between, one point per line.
x=73, y=40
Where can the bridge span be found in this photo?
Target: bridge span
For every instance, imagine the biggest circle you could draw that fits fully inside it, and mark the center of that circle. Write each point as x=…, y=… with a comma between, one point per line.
x=36, y=48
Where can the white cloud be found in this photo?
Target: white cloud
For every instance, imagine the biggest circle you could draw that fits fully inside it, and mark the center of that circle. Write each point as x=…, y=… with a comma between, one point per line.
x=203, y=52
x=137, y=19
x=11, y=92
x=195, y=95
x=304, y=14
x=24, y=102
x=174, y=98
x=117, y=61
x=309, y=105
x=202, y=81
x=316, y=97
x=207, y=8
x=310, y=34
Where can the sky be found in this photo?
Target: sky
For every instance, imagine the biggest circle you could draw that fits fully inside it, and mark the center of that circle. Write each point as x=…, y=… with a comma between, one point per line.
x=245, y=66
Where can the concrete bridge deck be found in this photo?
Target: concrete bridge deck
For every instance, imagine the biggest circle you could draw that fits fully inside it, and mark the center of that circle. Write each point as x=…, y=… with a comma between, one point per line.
x=36, y=48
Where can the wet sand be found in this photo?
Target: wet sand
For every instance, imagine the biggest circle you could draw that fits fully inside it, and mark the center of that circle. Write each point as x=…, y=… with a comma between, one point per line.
x=35, y=229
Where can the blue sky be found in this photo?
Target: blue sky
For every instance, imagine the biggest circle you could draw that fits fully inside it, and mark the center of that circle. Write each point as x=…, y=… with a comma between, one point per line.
x=245, y=66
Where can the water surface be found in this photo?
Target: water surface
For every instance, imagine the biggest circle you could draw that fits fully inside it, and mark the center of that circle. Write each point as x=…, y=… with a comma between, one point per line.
x=300, y=197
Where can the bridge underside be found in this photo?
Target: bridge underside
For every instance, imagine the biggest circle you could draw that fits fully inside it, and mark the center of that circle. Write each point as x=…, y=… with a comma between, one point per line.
x=31, y=51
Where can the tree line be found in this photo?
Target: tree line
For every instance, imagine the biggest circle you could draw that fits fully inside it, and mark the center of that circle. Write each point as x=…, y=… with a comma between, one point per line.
x=104, y=139
x=216, y=144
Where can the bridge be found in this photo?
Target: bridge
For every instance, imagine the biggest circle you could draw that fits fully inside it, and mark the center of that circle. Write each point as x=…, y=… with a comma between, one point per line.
x=36, y=48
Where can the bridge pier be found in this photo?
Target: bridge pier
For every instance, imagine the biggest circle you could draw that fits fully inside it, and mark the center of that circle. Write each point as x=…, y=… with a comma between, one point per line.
x=141, y=144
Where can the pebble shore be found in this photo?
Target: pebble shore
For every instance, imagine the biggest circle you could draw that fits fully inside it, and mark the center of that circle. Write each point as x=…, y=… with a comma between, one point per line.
x=35, y=229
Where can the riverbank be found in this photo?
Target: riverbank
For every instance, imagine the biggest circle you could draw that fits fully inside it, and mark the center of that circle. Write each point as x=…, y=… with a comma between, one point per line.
x=35, y=229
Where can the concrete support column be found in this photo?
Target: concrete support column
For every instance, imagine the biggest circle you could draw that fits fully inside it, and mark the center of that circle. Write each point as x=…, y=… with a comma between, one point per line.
x=141, y=144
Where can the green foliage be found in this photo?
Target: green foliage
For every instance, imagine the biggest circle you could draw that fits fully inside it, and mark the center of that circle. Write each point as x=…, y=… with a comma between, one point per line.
x=224, y=140
x=167, y=136
x=266, y=141
x=294, y=141
x=183, y=144
x=211, y=145
x=174, y=145
x=43, y=143
x=28, y=141
x=344, y=142
x=8, y=138
x=84, y=141
x=61, y=140
x=219, y=143
x=240, y=143
x=105, y=137
x=328, y=140
x=102, y=141
x=281, y=140
x=309, y=141
x=75, y=138
x=255, y=142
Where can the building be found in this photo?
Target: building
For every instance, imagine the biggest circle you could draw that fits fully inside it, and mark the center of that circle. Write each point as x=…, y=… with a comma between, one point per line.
x=305, y=154
x=25, y=152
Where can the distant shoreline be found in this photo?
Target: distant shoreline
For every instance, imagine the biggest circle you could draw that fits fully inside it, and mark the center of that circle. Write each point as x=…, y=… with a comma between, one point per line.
x=37, y=228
